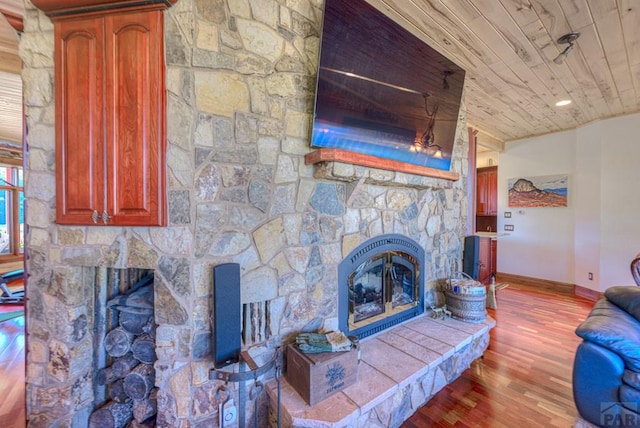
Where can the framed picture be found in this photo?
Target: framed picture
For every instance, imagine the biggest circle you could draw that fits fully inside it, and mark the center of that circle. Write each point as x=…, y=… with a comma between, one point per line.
x=544, y=191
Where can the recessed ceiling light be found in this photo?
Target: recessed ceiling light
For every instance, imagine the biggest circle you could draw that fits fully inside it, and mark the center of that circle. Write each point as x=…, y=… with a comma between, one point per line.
x=563, y=103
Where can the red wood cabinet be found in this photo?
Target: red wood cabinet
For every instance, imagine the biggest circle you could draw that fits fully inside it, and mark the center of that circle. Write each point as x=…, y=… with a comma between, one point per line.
x=484, y=258
x=494, y=256
x=487, y=191
x=110, y=117
x=487, y=258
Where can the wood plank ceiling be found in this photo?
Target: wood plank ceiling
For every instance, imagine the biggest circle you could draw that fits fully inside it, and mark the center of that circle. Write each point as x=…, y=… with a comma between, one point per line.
x=507, y=48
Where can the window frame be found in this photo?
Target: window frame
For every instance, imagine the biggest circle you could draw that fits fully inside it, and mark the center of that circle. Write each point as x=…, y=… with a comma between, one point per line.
x=13, y=218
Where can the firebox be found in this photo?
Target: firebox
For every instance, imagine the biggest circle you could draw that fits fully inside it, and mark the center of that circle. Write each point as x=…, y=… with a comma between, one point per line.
x=380, y=285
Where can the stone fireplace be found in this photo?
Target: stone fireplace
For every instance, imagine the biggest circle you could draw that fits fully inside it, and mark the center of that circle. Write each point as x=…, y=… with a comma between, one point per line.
x=240, y=80
x=380, y=285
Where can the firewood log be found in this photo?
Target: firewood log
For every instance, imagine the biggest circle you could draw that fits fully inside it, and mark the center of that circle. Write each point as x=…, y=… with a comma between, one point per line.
x=149, y=423
x=144, y=349
x=140, y=297
x=112, y=415
x=117, y=393
x=118, y=342
x=122, y=366
x=146, y=408
x=139, y=382
x=134, y=323
x=106, y=376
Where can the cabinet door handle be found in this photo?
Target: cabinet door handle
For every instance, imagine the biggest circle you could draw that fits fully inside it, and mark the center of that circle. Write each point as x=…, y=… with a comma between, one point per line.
x=95, y=216
x=105, y=217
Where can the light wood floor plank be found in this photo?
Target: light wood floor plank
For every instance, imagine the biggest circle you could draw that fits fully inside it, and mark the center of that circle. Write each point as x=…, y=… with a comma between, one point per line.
x=12, y=373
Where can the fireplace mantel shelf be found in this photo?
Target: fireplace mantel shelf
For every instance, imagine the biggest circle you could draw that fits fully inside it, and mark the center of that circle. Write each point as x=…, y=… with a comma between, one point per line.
x=345, y=156
x=412, y=353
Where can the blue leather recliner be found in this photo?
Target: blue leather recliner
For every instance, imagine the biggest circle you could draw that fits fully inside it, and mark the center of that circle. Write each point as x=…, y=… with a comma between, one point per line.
x=606, y=370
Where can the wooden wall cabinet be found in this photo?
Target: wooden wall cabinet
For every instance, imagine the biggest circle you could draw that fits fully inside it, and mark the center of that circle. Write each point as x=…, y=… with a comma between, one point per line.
x=487, y=191
x=110, y=119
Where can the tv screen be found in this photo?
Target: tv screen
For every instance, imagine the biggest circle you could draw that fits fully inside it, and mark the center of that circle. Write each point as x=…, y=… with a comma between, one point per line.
x=382, y=91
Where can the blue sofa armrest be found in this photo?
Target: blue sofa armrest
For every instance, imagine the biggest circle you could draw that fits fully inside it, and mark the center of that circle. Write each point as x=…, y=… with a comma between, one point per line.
x=611, y=327
x=597, y=377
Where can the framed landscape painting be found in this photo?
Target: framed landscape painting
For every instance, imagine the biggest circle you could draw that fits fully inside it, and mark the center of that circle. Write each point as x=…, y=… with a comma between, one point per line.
x=545, y=191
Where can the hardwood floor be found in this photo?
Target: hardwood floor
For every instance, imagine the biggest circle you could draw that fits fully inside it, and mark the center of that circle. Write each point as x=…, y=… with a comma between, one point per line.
x=12, y=373
x=524, y=379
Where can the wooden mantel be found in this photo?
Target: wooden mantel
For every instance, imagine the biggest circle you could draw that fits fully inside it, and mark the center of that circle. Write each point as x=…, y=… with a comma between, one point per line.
x=67, y=8
x=345, y=156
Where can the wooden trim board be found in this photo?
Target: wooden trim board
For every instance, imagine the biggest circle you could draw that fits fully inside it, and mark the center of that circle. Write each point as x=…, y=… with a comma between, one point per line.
x=74, y=8
x=339, y=155
x=587, y=293
x=543, y=284
x=555, y=286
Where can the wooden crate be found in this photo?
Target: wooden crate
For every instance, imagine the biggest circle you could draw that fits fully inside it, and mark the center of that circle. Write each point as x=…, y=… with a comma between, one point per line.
x=317, y=376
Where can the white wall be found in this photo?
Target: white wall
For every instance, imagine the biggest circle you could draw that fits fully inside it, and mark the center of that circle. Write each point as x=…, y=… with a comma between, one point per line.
x=599, y=231
x=587, y=201
x=620, y=194
x=489, y=158
x=541, y=246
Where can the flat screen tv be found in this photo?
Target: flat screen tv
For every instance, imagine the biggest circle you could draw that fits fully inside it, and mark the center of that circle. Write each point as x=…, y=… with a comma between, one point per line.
x=382, y=91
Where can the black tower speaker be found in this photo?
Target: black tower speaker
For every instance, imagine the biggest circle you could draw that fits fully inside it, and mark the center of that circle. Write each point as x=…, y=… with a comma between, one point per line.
x=226, y=314
x=470, y=257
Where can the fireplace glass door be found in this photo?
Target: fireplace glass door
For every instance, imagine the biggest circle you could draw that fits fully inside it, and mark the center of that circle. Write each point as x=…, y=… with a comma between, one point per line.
x=382, y=286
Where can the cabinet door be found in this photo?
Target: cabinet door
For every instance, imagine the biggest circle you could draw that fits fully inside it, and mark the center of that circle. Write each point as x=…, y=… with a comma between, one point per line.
x=487, y=191
x=491, y=183
x=481, y=193
x=494, y=256
x=484, y=258
x=135, y=129
x=79, y=75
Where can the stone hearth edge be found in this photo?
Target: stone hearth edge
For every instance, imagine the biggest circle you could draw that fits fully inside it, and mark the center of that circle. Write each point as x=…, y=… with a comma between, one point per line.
x=400, y=370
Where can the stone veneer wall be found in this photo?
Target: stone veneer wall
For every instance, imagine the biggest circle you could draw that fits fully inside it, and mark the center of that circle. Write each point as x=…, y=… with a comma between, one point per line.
x=240, y=79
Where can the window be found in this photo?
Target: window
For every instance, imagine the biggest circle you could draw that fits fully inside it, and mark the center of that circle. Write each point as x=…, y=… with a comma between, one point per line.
x=11, y=212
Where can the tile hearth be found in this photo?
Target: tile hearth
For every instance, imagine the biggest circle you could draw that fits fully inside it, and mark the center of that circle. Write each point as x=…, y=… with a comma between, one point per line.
x=400, y=370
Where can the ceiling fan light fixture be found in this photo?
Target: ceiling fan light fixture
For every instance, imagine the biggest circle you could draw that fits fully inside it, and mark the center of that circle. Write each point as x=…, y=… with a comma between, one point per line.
x=567, y=38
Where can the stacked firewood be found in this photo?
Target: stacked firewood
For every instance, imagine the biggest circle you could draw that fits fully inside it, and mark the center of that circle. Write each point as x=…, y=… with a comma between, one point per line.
x=131, y=376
